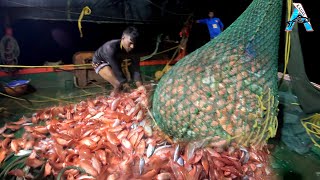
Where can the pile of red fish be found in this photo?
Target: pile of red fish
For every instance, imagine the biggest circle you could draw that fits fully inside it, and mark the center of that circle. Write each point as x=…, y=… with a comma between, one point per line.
x=116, y=138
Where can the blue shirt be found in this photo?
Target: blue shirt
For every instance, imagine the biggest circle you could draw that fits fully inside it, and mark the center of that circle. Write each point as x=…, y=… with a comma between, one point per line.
x=214, y=25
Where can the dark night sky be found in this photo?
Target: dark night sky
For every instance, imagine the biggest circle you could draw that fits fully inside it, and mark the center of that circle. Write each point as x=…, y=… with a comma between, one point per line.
x=41, y=41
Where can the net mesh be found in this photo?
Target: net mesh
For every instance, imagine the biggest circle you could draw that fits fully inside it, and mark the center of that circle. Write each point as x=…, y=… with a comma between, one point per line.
x=226, y=89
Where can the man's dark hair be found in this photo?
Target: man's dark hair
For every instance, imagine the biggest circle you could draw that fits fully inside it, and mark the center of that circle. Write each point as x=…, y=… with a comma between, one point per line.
x=132, y=32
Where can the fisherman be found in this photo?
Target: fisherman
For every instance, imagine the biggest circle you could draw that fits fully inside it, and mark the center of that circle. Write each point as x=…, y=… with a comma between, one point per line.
x=214, y=24
x=108, y=58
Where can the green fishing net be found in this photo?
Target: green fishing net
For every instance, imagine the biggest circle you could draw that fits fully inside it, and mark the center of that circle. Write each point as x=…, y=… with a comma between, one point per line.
x=227, y=89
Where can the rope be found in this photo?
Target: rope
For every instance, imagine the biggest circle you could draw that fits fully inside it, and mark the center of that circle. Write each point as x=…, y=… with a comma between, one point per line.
x=12, y=164
x=167, y=50
x=51, y=99
x=94, y=21
x=156, y=5
x=85, y=11
x=143, y=58
x=181, y=45
x=312, y=126
x=287, y=45
x=166, y=68
x=155, y=50
x=54, y=99
x=26, y=107
x=76, y=13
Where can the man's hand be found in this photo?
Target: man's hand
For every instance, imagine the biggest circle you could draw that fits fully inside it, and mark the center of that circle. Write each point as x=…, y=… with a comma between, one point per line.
x=126, y=87
x=114, y=92
x=138, y=83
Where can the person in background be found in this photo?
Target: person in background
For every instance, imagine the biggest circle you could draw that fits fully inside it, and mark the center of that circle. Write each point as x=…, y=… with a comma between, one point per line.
x=184, y=34
x=214, y=24
x=107, y=61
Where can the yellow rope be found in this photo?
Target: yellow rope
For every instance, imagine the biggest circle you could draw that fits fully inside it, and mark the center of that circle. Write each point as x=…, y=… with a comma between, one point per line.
x=269, y=126
x=86, y=92
x=229, y=138
x=315, y=129
x=85, y=11
x=255, y=126
x=167, y=67
x=12, y=97
x=167, y=50
x=241, y=138
x=260, y=102
x=312, y=126
x=243, y=135
x=273, y=127
x=73, y=65
x=20, y=104
x=297, y=104
x=288, y=40
x=268, y=118
x=257, y=132
x=51, y=99
x=249, y=138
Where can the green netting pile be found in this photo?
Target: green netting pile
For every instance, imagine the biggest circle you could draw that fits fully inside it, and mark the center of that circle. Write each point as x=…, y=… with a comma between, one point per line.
x=226, y=89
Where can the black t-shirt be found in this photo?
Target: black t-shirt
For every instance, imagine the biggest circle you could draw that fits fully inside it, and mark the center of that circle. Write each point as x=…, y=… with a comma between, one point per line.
x=110, y=52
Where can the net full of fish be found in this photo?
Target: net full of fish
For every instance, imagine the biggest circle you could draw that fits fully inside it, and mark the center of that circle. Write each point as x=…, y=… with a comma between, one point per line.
x=115, y=138
x=227, y=89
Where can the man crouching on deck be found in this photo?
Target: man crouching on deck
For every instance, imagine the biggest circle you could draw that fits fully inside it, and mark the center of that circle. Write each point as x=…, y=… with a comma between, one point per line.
x=108, y=58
